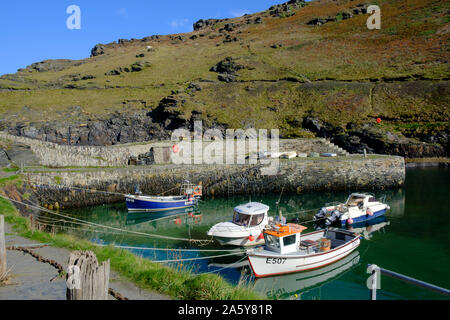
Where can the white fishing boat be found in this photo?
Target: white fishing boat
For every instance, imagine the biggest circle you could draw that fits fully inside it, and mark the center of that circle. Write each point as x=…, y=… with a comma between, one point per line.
x=288, y=251
x=358, y=208
x=291, y=285
x=246, y=228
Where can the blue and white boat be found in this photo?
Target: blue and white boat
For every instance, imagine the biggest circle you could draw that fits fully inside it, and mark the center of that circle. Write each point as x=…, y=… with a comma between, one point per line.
x=189, y=196
x=358, y=208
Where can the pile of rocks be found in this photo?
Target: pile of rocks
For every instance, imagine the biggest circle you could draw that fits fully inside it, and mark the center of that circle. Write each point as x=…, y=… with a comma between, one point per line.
x=227, y=69
x=286, y=9
x=135, y=67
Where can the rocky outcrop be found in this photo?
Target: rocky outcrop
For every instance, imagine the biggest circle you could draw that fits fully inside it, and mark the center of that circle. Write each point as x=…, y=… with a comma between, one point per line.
x=343, y=15
x=202, y=24
x=52, y=65
x=368, y=137
x=168, y=113
x=98, y=50
x=286, y=9
x=4, y=160
x=118, y=128
x=227, y=69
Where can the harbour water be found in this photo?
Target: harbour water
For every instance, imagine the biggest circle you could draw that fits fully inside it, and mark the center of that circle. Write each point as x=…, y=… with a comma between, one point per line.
x=413, y=239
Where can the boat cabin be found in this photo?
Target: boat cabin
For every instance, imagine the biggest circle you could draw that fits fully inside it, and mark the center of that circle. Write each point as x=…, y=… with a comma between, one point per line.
x=360, y=200
x=251, y=214
x=283, y=238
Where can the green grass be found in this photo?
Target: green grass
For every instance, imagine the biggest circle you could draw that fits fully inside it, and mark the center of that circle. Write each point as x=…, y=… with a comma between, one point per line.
x=176, y=283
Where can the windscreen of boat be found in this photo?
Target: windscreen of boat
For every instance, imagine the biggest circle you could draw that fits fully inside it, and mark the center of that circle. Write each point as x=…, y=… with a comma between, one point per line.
x=271, y=241
x=355, y=200
x=241, y=219
x=257, y=220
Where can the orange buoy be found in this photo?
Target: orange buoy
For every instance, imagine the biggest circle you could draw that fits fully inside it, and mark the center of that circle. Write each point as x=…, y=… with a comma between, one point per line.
x=251, y=238
x=261, y=236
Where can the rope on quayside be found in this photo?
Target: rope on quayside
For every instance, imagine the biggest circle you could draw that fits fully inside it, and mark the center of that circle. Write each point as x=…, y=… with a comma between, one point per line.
x=164, y=249
x=194, y=259
x=197, y=241
x=227, y=267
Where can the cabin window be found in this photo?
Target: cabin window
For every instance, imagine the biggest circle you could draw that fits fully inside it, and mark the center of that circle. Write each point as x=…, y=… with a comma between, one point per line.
x=273, y=242
x=241, y=219
x=372, y=199
x=287, y=241
x=355, y=201
x=257, y=220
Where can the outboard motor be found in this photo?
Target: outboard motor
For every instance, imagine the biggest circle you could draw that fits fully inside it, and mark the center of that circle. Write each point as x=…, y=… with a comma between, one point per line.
x=321, y=214
x=137, y=191
x=333, y=218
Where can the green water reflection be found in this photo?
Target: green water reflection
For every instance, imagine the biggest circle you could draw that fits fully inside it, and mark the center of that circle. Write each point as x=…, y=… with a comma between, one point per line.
x=413, y=239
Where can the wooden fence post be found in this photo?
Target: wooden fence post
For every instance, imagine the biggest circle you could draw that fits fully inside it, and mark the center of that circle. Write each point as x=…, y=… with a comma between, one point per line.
x=2, y=247
x=85, y=279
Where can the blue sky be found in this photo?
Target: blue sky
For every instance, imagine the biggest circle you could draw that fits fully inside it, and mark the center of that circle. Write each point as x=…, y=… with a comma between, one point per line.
x=33, y=31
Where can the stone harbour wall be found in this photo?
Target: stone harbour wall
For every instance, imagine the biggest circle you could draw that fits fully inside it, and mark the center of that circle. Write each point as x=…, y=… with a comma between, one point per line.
x=56, y=155
x=69, y=189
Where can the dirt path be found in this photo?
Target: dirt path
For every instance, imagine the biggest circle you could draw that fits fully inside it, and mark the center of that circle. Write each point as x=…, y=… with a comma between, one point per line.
x=34, y=280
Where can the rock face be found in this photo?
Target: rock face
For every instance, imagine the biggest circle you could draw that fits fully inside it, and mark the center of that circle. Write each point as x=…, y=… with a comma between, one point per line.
x=202, y=24
x=4, y=160
x=18, y=154
x=121, y=127
x=286, y=9
x=99, y=49
x=52, y=65
x=355, y=139
x=227, y=69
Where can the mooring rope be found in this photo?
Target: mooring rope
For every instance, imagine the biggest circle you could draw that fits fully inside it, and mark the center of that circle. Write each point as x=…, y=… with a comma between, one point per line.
x=227, y=267
x=199, y=258
x=173, y=249
x=150, y=235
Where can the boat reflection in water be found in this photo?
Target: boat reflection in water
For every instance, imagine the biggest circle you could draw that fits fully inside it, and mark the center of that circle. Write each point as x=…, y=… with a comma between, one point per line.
x=291, y=286
x=294, y=285
x=367, y=229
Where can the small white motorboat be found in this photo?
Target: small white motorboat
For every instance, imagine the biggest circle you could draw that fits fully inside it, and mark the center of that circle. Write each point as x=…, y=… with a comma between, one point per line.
x=246, y=228
x=358, y=208
x=294, y=284
x=287, y=251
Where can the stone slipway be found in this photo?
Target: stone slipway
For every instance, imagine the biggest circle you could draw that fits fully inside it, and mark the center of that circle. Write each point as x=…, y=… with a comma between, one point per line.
x=30, y=279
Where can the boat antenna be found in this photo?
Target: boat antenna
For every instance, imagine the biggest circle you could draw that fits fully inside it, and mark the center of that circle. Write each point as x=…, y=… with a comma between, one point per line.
x=279, y=199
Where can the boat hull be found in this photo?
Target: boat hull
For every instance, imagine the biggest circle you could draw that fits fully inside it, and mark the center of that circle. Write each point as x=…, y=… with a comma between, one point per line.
x=284, y=287
x=364, y=217
x=264, y=265
x=239, y=242
x=136, y=203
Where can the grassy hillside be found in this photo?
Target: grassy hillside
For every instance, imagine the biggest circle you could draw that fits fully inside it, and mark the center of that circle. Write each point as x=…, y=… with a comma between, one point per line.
x=286, y=69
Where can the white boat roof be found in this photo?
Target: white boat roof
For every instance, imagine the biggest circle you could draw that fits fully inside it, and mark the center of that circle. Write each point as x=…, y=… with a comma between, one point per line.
x=361, y=195
x=252, y=208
